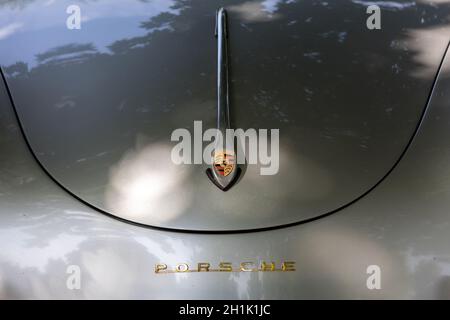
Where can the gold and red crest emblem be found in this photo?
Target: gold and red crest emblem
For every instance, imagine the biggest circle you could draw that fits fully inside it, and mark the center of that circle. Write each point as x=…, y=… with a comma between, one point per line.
x=224, y=162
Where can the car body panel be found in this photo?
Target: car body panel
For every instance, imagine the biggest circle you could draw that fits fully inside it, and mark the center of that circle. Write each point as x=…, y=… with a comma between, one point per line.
x=401, y=226
x=98, y=105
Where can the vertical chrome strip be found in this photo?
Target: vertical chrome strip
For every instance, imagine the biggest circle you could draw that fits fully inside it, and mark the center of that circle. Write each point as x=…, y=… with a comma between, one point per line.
x=223, y=112
x=224, y=171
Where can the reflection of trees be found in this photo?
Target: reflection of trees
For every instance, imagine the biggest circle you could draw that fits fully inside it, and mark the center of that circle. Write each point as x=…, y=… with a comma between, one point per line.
x=14, y=70
x=21, y=4
x=322, y=80
x=67, y=53
x=15, y=4
x=168, y=76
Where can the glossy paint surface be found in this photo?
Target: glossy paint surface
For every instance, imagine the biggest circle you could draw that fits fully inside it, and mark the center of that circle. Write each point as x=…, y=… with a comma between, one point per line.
x=402, y=226
x=99, y=104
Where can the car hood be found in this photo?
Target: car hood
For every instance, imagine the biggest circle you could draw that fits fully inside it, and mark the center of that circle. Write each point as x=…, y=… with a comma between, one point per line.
x=98, y=105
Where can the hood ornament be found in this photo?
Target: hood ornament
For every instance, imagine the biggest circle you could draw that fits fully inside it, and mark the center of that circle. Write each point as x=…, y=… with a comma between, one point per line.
x=224, y=171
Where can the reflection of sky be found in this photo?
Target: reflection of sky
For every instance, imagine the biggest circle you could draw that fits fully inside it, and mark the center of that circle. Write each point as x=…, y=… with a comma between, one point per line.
x=270, y=5
x=23, y=256
x=24, y=34
x=392, y=5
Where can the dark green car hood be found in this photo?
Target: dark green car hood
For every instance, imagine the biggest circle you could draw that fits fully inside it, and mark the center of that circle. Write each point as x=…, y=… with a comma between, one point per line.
x=98, y=105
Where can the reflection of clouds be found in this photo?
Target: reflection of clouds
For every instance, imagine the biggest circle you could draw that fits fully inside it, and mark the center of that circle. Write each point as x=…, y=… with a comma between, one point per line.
x=179, y=251
x=431, y=273
x=304, y=188
x=243, y=284
x=169, y=251
x=434, y=1
x=429, y=46
x=299, y=183
x=110, y=273
x=332, y=252
x=389, y=5
x=120, y=8
x=65, y=102
x=25, y=256
x=414, y=261
x=8, y=30
x=252, y=11
x=270, y=5
x=67, y=53
x=146, y=183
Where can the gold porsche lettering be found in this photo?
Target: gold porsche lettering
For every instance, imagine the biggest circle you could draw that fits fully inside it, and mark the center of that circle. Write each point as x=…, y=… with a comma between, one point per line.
x=203, y=266
x=245, y=266
x=268, y=266
x=160, y=268
x=226, y=267
x=288, y=266
x=182, y=267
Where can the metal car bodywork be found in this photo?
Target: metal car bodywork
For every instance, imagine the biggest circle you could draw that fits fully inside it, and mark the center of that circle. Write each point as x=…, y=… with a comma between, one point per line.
x=401, y=225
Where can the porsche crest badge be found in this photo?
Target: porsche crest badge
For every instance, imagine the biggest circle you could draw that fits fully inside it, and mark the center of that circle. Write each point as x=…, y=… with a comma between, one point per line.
x=224, y=162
